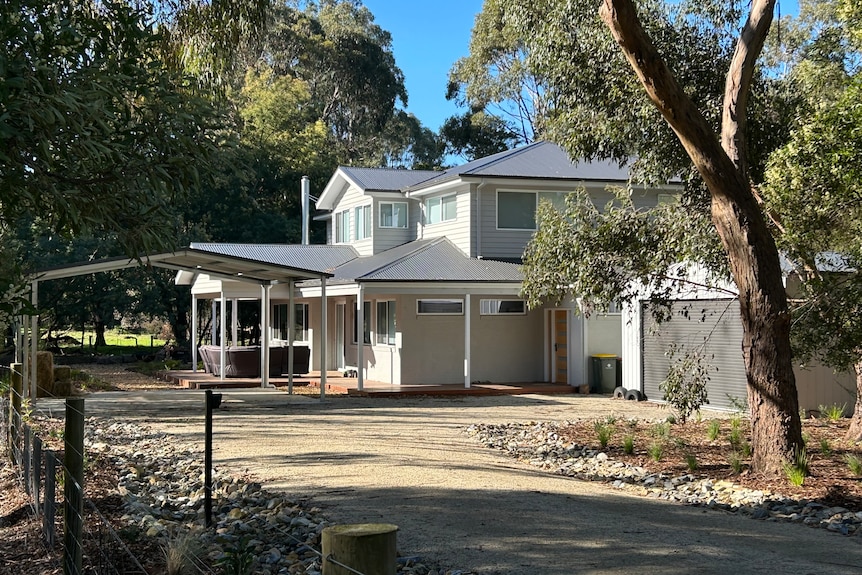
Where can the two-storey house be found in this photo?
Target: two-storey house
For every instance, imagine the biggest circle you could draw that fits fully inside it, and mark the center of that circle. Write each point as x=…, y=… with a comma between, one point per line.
x=426, y=281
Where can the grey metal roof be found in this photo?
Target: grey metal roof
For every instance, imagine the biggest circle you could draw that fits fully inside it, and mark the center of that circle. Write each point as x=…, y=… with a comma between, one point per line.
x=194, y=260
x=319, y=257
x=386, y=179
x=539, y=160
x=427, y=260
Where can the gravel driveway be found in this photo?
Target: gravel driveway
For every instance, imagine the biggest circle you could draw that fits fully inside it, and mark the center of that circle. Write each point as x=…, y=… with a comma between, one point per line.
x=408, y=462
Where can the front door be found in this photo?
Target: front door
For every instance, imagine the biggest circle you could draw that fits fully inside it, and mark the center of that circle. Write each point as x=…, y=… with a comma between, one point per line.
x=339, y=336
x=560, y=346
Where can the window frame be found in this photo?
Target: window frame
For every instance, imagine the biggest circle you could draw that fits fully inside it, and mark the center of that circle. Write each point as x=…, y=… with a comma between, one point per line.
x=538, y=196
x=419, y=301
x=487, y=311
x=367, y=309
x=384, y=337
x=440, y=200
x=392, y=216
x=341, y=227
x=363, y=223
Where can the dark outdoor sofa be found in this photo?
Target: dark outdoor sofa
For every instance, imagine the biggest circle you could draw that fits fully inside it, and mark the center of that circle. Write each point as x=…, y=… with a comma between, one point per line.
x=244, y=361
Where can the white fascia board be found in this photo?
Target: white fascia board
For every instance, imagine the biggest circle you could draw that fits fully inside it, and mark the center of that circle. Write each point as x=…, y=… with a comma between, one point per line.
x=422, y=288
x=436, y=189
x=335, y=187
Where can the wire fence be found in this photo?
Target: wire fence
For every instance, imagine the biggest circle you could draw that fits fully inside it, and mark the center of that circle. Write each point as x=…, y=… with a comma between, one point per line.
x=73, y=527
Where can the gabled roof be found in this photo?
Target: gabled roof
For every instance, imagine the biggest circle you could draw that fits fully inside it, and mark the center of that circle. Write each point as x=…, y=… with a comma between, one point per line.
x=369, y=180
x=436, y=259
x=540, y=160
x=319, y=257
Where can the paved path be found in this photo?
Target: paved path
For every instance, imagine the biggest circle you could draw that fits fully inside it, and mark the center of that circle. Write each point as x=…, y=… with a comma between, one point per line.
x=408, y=462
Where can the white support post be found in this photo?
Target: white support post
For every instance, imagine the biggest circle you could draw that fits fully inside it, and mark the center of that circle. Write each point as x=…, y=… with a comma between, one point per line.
x=467, y=341
x=234, y=321
x=213, y=324
x=222, y=335
x=194, y=334
x=323, y=336
x=264, y=333
x=360, y=338
x=34, y=336
x=291, y=335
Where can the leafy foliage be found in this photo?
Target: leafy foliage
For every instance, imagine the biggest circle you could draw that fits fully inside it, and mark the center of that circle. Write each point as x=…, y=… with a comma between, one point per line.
x=685, y=387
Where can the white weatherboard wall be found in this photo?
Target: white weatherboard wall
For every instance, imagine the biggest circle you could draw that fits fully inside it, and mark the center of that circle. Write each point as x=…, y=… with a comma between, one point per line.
x=386, y=238
x=352, y=198
x=457, y=230
x=504, y=348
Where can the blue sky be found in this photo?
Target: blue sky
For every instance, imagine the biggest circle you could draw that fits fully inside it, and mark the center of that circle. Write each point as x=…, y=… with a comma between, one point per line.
x=427, y=38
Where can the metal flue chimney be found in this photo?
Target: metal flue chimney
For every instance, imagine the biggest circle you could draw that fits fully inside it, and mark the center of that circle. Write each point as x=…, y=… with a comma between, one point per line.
x=306, y=208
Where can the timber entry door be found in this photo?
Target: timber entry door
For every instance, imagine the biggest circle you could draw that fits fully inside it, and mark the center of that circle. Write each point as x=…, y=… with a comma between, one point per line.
x=560, y=346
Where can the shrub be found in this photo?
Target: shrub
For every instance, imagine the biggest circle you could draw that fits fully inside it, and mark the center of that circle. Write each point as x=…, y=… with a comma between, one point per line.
x=691, y=461
x=656, y=450
x=825, y=447
x=735, y=461
x=854, y=463
x=603, y=433
x=629, y=444
x=684, y=387
x=713, y=430
x=833, y=412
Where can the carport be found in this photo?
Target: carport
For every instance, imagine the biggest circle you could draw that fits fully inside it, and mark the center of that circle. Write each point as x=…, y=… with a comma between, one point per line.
x=192, y=260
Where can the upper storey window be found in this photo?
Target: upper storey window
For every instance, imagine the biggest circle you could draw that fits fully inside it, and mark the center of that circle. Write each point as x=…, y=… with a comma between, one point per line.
x=393, y=214
x=440, y=209
x=517, y=210
x=363, y=222
x=341, y=221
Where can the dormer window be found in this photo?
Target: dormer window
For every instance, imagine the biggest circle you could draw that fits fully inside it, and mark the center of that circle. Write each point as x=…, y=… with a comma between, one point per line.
x=341, y=221
x=363, y=222
x=393, y=214
x=440, y=209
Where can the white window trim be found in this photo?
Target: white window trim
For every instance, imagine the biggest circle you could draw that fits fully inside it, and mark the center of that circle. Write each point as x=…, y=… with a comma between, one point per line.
x=536, y=194
x=356, y=213
x=376, y=333
x=443, y=219
x=367, y=316
x=497, y=313
x=338, y=221
x=440, y=300
x=535, y=208
x=406, y=216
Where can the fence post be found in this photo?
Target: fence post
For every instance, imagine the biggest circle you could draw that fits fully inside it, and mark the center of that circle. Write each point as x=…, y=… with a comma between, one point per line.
x=73, y=509
x=28, y=438
x=36, y=470
x=367, y=548
x=16, y=391
x=50, y=499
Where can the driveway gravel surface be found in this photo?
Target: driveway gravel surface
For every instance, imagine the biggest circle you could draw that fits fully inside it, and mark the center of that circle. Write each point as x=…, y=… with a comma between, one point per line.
x=408, y=461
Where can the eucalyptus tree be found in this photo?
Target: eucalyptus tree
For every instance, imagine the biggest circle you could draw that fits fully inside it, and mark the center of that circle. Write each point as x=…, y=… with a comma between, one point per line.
x=672, y=85
x=814, y=196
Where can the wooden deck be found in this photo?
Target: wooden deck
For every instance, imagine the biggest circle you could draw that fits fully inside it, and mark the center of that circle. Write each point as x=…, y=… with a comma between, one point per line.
x=337, y=383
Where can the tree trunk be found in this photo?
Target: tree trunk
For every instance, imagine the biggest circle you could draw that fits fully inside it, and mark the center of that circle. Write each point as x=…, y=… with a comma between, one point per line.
x=855, y=431
x=751, y=250
x=99, y=328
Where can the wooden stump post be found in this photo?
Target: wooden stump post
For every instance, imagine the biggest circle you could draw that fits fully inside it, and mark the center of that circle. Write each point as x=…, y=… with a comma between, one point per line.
x=73, y=507
x=62, y=381
x=367, y=548
x=44, y=374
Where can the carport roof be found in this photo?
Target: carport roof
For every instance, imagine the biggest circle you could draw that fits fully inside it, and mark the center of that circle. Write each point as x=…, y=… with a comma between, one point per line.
x=195, y=260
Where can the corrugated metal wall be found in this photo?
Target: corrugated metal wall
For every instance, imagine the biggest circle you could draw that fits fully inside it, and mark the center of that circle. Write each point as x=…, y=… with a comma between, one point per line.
x=713, y=324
